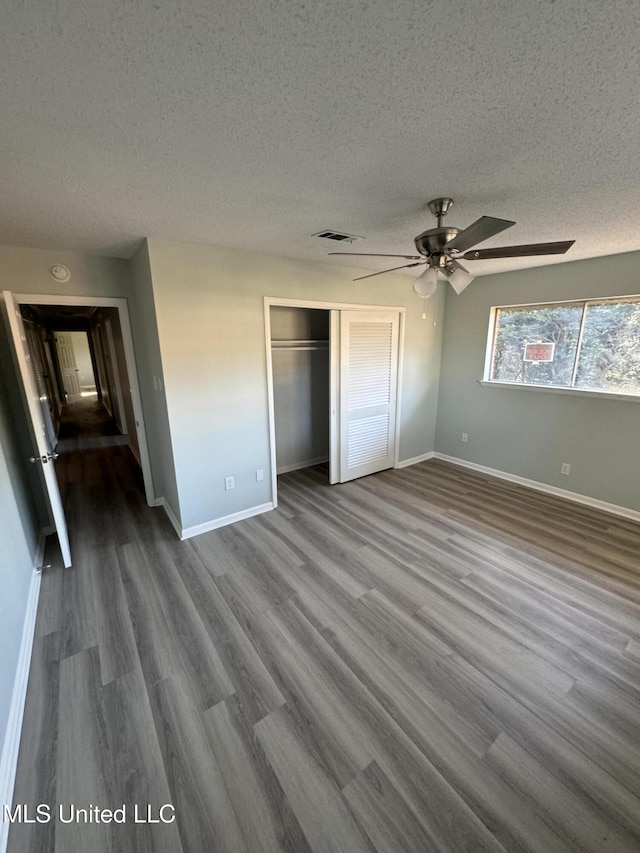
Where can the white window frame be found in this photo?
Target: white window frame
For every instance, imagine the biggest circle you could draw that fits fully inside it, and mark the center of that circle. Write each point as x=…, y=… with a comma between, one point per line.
x=487, y=382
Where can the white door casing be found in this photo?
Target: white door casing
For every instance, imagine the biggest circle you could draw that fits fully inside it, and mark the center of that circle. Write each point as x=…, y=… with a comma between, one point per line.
x=334, y=396
x=43, y=451
x=368, y=391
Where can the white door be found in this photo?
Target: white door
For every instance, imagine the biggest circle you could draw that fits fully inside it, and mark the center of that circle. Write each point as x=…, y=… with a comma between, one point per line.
x=68, y=366
x=43, y=454
x=368, y=391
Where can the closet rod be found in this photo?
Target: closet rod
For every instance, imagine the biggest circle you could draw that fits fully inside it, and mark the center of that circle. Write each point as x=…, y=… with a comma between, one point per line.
x=300, y=345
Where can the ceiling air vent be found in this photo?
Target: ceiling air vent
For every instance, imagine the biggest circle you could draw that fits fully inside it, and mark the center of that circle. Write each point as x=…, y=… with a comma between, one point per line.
x=338, y=236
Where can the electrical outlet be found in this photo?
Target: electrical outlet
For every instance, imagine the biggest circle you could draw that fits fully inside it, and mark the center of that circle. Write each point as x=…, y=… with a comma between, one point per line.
x=259, y=475
x=465, y=437
x=565, y=469
x=229, y=483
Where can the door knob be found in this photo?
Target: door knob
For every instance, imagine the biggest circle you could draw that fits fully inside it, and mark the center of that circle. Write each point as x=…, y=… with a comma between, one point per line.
x=44, y=459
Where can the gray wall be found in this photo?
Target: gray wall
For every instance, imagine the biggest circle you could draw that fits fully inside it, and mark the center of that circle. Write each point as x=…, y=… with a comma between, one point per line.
x=210, y=311
x=27, y=271
x=152, y=383
x=529, y=433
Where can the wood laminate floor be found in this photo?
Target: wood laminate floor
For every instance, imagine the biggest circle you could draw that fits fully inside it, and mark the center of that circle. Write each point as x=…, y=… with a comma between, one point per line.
x=422, y=660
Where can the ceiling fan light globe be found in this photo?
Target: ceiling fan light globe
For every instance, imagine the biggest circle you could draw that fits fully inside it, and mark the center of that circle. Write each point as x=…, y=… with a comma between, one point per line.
x=426, y=284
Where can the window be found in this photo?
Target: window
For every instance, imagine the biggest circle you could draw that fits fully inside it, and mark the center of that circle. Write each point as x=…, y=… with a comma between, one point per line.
x=594, y=345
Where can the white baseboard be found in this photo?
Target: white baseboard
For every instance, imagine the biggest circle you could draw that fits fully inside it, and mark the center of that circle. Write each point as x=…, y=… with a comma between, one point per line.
x=415, y=459
x=225, y=520
x=169, y=513
x=9, y=760
x=287, y=469
x=614, y=509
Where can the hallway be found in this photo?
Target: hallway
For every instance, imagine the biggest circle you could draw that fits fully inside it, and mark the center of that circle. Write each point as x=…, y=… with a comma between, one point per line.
x=85, y=424
x=420, y=660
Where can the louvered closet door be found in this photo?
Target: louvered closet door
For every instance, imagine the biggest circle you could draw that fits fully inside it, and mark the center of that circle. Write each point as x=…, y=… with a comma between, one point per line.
x=368, y=389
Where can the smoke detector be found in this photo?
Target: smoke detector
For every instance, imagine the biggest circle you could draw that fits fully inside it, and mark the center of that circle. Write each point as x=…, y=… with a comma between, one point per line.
x=60, y=272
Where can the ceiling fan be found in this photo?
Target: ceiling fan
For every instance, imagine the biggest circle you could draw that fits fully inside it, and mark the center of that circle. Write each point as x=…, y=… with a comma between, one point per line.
x=441, y=247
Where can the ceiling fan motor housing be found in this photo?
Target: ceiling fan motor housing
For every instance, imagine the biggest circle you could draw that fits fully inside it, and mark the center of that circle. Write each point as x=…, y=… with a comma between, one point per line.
x=432, y=242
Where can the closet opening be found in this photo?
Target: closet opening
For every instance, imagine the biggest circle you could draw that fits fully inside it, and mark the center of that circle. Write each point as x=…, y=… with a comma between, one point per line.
x=300, y=359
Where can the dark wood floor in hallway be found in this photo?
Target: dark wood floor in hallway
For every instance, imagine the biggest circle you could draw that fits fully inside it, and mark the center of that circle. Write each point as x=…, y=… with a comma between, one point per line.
x=423, y=660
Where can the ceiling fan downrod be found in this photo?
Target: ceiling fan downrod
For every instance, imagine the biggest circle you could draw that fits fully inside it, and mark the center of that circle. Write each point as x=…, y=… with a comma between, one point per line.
x=440, y=207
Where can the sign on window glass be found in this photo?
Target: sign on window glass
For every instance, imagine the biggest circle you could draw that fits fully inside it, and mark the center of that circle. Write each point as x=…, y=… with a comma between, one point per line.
x=539, y=351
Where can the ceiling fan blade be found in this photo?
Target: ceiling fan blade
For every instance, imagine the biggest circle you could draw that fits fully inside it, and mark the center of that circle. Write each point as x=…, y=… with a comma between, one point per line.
x=377, y=255
x=477, y=232
x=524, y=251
x=458, y=276
x=404, y=266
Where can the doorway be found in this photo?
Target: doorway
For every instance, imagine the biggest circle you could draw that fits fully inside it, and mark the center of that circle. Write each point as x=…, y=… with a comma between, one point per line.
x=301, y=386
x=110, y=371
x=333, y=372
x=74, y=360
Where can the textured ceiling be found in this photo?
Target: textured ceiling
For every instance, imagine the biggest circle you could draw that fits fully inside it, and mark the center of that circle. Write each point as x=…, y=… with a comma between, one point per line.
x=252, y=124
